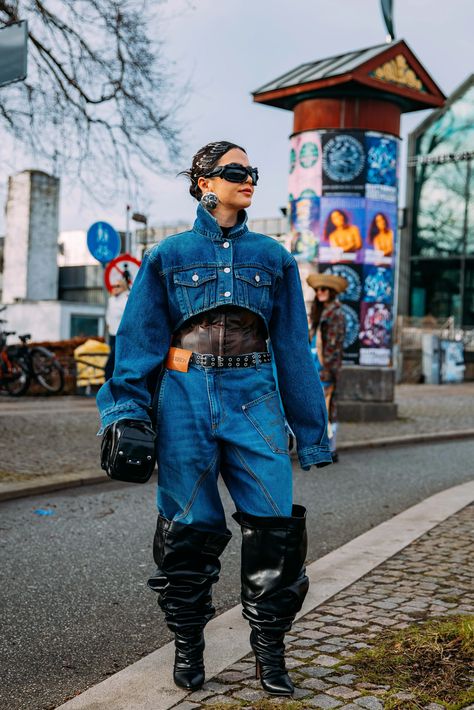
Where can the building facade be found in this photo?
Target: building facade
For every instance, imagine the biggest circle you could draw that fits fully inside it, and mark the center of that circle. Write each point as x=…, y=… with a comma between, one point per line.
x=437, y=258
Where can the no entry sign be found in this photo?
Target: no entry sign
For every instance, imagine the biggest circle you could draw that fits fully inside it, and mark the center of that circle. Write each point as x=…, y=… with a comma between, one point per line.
x=125, y=267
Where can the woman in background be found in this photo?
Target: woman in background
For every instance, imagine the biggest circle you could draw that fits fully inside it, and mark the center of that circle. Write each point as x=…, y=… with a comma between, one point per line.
x=113, y=315
x=327, y=331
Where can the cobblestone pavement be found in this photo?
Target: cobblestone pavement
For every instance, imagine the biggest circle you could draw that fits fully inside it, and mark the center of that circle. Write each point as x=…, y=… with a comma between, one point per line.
x=434, y=576
x=44, y=436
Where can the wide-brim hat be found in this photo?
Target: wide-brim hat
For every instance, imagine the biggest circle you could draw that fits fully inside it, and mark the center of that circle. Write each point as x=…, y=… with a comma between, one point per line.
x=337, y=283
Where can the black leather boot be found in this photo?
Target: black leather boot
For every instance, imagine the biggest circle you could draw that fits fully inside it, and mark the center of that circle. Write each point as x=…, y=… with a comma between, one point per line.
x=274, y=585
x=188, y=566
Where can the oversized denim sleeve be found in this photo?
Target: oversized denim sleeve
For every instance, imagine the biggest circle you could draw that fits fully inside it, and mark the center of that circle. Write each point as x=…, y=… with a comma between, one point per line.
x=142, y=343
x=298, y=379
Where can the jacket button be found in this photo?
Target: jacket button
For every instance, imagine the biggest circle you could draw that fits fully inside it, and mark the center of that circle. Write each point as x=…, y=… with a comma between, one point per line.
x=257, y=278
x=196, y=277
x=226, y=245
x=226, y=270
x=227, y=294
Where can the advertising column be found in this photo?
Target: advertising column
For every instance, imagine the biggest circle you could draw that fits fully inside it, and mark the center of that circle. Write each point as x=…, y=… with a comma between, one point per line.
x=343, y=220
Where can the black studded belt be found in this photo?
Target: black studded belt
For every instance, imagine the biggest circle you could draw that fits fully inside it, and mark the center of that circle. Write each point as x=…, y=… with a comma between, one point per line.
x=246, y=360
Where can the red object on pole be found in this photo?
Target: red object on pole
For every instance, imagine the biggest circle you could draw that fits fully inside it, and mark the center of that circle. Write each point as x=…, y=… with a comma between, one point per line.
x=125, y=267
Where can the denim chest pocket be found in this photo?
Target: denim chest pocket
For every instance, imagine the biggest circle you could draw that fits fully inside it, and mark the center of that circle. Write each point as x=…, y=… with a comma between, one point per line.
x=253, y=284
x=195, y=288
x=266, y=416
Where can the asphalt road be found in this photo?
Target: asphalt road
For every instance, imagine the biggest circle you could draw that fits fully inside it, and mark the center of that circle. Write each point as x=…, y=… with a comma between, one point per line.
x=75, y=607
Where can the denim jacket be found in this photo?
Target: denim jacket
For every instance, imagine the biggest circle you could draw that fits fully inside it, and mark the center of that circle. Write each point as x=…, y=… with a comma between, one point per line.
x=195, y=271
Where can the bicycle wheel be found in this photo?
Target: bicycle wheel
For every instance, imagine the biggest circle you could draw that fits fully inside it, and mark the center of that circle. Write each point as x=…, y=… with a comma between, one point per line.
x=19, y=381
x=47, y=370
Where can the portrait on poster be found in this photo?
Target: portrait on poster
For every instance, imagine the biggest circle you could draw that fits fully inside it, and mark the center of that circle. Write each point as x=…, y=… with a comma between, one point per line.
x=344, y=163
x=378, y=284
x=375, y=325
x=342, y=228
x=380, y=233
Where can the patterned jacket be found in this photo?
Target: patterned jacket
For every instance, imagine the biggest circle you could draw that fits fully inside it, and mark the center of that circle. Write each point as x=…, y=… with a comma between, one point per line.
x=333, y=330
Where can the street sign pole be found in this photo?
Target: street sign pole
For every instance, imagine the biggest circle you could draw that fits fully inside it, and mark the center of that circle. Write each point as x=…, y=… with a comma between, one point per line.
x=128, y=244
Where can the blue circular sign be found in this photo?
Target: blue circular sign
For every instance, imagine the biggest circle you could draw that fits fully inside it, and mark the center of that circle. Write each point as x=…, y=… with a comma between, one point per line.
x=103, y=242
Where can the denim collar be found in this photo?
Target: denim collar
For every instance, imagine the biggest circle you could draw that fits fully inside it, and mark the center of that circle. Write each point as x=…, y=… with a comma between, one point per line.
x=207, y=225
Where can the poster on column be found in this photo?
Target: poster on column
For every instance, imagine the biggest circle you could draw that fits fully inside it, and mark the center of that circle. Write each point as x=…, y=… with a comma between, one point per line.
x=350, y=300
x=342, y=230
x=380, y=231
x=377, y=284
x=305, y=164
x=375, y=334
x=305, y=195
x=344, y=163
x=343, y=217
x=382, y=162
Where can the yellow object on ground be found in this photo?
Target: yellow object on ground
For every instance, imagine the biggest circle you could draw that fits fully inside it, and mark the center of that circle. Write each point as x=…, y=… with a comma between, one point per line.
x=91, y=358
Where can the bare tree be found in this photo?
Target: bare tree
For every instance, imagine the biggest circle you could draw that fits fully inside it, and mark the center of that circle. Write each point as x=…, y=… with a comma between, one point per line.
x=99, y=99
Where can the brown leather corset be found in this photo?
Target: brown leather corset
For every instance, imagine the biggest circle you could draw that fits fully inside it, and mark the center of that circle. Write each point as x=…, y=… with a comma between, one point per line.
x=226, y=330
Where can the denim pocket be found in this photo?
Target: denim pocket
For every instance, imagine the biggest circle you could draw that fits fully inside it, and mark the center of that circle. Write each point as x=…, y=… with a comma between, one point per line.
x=195, y=288
x=254, y=284
x=266, y=416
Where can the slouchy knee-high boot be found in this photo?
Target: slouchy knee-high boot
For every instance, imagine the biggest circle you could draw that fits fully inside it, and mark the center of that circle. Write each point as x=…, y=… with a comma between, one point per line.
x=274, y=585
x=188, y=566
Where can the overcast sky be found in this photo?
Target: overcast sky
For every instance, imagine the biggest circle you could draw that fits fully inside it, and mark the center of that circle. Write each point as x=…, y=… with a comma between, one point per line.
x=228, y=49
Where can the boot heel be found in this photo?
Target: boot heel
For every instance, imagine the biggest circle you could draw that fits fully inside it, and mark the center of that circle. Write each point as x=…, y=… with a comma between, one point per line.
x=258, y=669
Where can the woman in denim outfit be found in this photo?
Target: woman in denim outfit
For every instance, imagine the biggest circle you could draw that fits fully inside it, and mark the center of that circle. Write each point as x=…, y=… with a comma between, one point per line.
x=229, y=303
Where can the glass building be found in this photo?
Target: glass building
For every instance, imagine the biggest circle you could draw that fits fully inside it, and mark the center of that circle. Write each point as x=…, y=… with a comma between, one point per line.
x=437, y=259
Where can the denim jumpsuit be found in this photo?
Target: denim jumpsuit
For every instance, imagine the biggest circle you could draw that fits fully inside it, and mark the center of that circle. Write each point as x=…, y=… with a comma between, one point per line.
x=219, y=420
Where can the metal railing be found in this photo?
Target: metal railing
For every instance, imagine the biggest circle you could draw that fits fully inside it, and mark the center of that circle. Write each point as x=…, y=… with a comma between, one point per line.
x=409, y=331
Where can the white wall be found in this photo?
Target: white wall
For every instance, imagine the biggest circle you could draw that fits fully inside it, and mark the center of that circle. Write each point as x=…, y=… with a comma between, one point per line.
x=47, y=320
x=17, y=215
x=73, y=249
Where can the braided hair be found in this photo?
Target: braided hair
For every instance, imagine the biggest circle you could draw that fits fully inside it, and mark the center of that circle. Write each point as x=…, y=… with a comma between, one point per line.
x=204, y=161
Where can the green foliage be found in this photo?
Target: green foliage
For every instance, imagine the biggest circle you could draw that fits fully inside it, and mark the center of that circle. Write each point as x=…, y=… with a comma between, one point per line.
x=433, y=661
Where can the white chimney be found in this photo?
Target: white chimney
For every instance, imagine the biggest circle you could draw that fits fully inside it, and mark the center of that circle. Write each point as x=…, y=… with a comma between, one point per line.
x=31, y=239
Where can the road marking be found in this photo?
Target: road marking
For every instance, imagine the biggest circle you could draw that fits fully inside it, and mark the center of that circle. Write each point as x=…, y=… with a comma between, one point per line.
x=148, y=685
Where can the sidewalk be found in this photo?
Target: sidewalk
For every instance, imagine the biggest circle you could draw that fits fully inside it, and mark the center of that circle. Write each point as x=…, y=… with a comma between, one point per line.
x=49, y=443
x=432, y=577
x=412, y=568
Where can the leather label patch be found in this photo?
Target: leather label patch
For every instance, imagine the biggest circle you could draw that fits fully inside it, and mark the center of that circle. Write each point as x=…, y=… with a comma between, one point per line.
x=178, y=359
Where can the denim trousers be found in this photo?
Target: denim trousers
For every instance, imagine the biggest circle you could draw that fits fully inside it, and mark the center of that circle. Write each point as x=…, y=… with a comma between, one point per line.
x=226, y=421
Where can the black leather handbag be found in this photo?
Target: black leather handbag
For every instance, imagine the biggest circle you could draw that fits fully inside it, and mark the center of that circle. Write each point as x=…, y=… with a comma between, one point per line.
x=128, y=451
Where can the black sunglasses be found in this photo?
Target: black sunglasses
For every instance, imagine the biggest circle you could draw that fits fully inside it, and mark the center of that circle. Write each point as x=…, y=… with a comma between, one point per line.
x=234, y=172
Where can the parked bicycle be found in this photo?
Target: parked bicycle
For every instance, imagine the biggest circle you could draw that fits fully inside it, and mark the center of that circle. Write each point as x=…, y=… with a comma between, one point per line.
x=20, y=364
